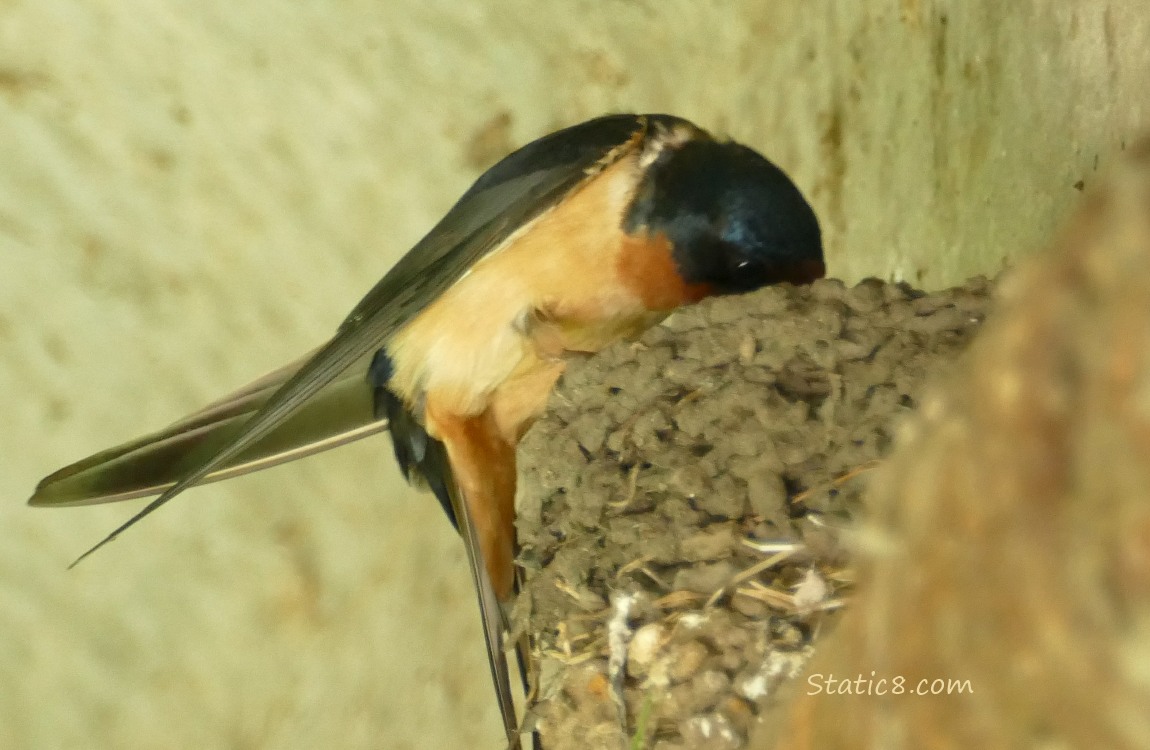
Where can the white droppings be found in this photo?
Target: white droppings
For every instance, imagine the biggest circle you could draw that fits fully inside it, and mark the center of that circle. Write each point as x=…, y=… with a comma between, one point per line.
x=618, y=635
x=811, y=591
x=692, y=620
x=777, y=667
x=754, y=688
x=645, y=644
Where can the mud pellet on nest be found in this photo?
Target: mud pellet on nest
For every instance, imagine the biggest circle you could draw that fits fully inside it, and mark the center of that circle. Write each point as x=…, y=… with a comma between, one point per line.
x=709, y=544
x=705, y=578
x=685, y=659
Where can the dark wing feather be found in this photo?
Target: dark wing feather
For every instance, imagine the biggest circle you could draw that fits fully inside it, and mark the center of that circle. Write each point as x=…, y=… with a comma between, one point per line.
x=508, y=196
x=338, y=414
x=491, y=612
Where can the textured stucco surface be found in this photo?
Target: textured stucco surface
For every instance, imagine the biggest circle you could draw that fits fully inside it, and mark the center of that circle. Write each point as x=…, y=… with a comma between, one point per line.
x=193, y=193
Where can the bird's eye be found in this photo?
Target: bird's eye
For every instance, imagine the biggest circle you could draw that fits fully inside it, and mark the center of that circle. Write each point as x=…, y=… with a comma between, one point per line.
x=742, y=264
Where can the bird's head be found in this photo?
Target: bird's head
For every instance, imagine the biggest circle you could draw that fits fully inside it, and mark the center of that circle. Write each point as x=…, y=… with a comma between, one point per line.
x=735, y=221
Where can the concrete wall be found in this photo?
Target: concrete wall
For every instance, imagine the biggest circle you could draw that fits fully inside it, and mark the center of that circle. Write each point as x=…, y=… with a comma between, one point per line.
x=193, y=193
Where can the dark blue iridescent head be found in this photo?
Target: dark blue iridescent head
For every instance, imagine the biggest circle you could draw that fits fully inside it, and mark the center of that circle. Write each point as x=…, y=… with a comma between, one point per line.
x=736, y=221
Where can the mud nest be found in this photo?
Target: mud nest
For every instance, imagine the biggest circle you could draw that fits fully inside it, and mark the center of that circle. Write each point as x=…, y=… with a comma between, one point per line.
x=683, y=503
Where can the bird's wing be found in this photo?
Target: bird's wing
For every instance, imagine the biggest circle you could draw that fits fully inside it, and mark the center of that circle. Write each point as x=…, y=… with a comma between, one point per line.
x=338, y=414
x=491, y=612
x=507, y=197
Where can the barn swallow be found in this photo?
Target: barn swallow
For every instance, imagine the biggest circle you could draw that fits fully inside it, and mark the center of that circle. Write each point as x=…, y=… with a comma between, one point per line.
x=581, y=238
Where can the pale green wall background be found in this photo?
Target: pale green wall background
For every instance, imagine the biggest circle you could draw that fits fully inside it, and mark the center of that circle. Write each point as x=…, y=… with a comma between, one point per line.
x=193, y=193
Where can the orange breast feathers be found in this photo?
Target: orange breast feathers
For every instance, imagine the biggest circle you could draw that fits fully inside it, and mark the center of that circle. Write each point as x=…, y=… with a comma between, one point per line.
x=483, y=358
